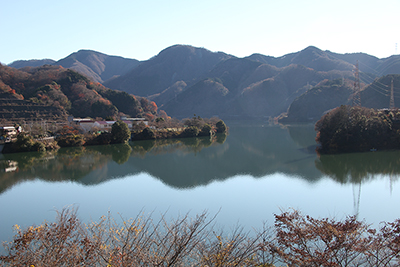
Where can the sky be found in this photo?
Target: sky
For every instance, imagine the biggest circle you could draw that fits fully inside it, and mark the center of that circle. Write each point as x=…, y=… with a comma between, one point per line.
x=141, y=29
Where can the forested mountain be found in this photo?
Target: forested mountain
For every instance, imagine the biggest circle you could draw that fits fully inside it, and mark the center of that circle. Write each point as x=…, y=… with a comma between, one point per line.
x=317, y=59
x=255, y=86
x=97, y=66
x=256, y=91
x=310, y=57
x=174, y=64
x=185, y=80
x=31, y=63
x=53, y=92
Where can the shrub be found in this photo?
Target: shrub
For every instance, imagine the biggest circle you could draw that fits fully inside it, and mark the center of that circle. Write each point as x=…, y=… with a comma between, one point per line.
x=38, y=146
x=70, y=140
x=24, y=143
x=205, y=130
x=120, y=132
x=146, y=134
x=136, y=242
x=306, y=241
x=221, y=126
x=298, y=240
x=98, y=139
x=191, y=131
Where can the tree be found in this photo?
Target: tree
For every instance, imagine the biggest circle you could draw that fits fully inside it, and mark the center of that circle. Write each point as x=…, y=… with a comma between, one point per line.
x=148, y=133
x=205, y=130
x=221, y=126
x=24, y=143
x=120, y=132
x=191, y=131
x=350, y=129
x=160, y=119
x=71, y=140
x=139, y=126
x=306, y=241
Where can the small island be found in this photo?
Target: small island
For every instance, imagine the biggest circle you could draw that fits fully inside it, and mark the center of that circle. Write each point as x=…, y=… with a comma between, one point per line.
x=358, y=129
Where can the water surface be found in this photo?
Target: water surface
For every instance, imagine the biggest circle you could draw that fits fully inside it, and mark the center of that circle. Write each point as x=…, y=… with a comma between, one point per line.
x=246, y=177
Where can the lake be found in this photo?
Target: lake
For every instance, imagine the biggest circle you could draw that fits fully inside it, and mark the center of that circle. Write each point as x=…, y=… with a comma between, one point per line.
x=256, y=171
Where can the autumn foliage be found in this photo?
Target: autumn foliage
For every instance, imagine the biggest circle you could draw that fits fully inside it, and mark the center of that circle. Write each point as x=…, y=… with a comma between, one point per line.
x=295, y=240
x=70, y=91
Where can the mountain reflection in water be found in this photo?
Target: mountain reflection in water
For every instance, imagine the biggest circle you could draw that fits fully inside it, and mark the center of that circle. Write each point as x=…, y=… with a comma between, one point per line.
x=254, y=149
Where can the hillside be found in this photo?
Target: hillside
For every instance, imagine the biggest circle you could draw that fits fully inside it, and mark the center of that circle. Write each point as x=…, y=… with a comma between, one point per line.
x=377, y=94
x=206, y=98
x=12, y=109
x=310, y=106
x=250, y=89
x=330, y=94
x=47, y=91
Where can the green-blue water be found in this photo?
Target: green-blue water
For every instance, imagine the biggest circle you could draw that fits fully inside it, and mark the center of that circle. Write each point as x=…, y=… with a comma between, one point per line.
x=245, y=177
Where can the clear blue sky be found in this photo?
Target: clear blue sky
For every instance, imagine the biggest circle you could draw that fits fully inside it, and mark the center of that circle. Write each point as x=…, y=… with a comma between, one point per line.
x=141, y=29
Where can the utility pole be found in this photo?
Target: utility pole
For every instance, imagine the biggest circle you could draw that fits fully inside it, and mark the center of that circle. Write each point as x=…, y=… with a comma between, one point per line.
x=357, y=88
x=391, y=104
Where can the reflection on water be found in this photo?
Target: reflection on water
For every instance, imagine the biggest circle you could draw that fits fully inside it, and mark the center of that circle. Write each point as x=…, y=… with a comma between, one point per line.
x=359, y=167
x=94, y=164
x=250, y=174
x=256, y=150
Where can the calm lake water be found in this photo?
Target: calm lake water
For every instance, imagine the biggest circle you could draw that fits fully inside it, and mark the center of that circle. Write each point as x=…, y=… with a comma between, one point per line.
x=246, y=177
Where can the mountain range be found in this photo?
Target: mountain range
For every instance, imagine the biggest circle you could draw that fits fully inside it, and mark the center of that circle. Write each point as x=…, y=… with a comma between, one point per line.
x=184, y=80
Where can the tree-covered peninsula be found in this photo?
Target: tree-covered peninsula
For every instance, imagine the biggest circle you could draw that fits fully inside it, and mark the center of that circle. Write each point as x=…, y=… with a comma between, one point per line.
x=358, y=129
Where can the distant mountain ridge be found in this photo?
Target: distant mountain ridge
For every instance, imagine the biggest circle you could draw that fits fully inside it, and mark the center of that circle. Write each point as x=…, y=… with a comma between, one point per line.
x=315, y=58
x=184, y=80
x=31, y=63
x=97, y=66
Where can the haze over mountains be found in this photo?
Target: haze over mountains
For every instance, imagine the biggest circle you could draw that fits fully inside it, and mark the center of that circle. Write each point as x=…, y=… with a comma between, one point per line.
x=185, y=80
